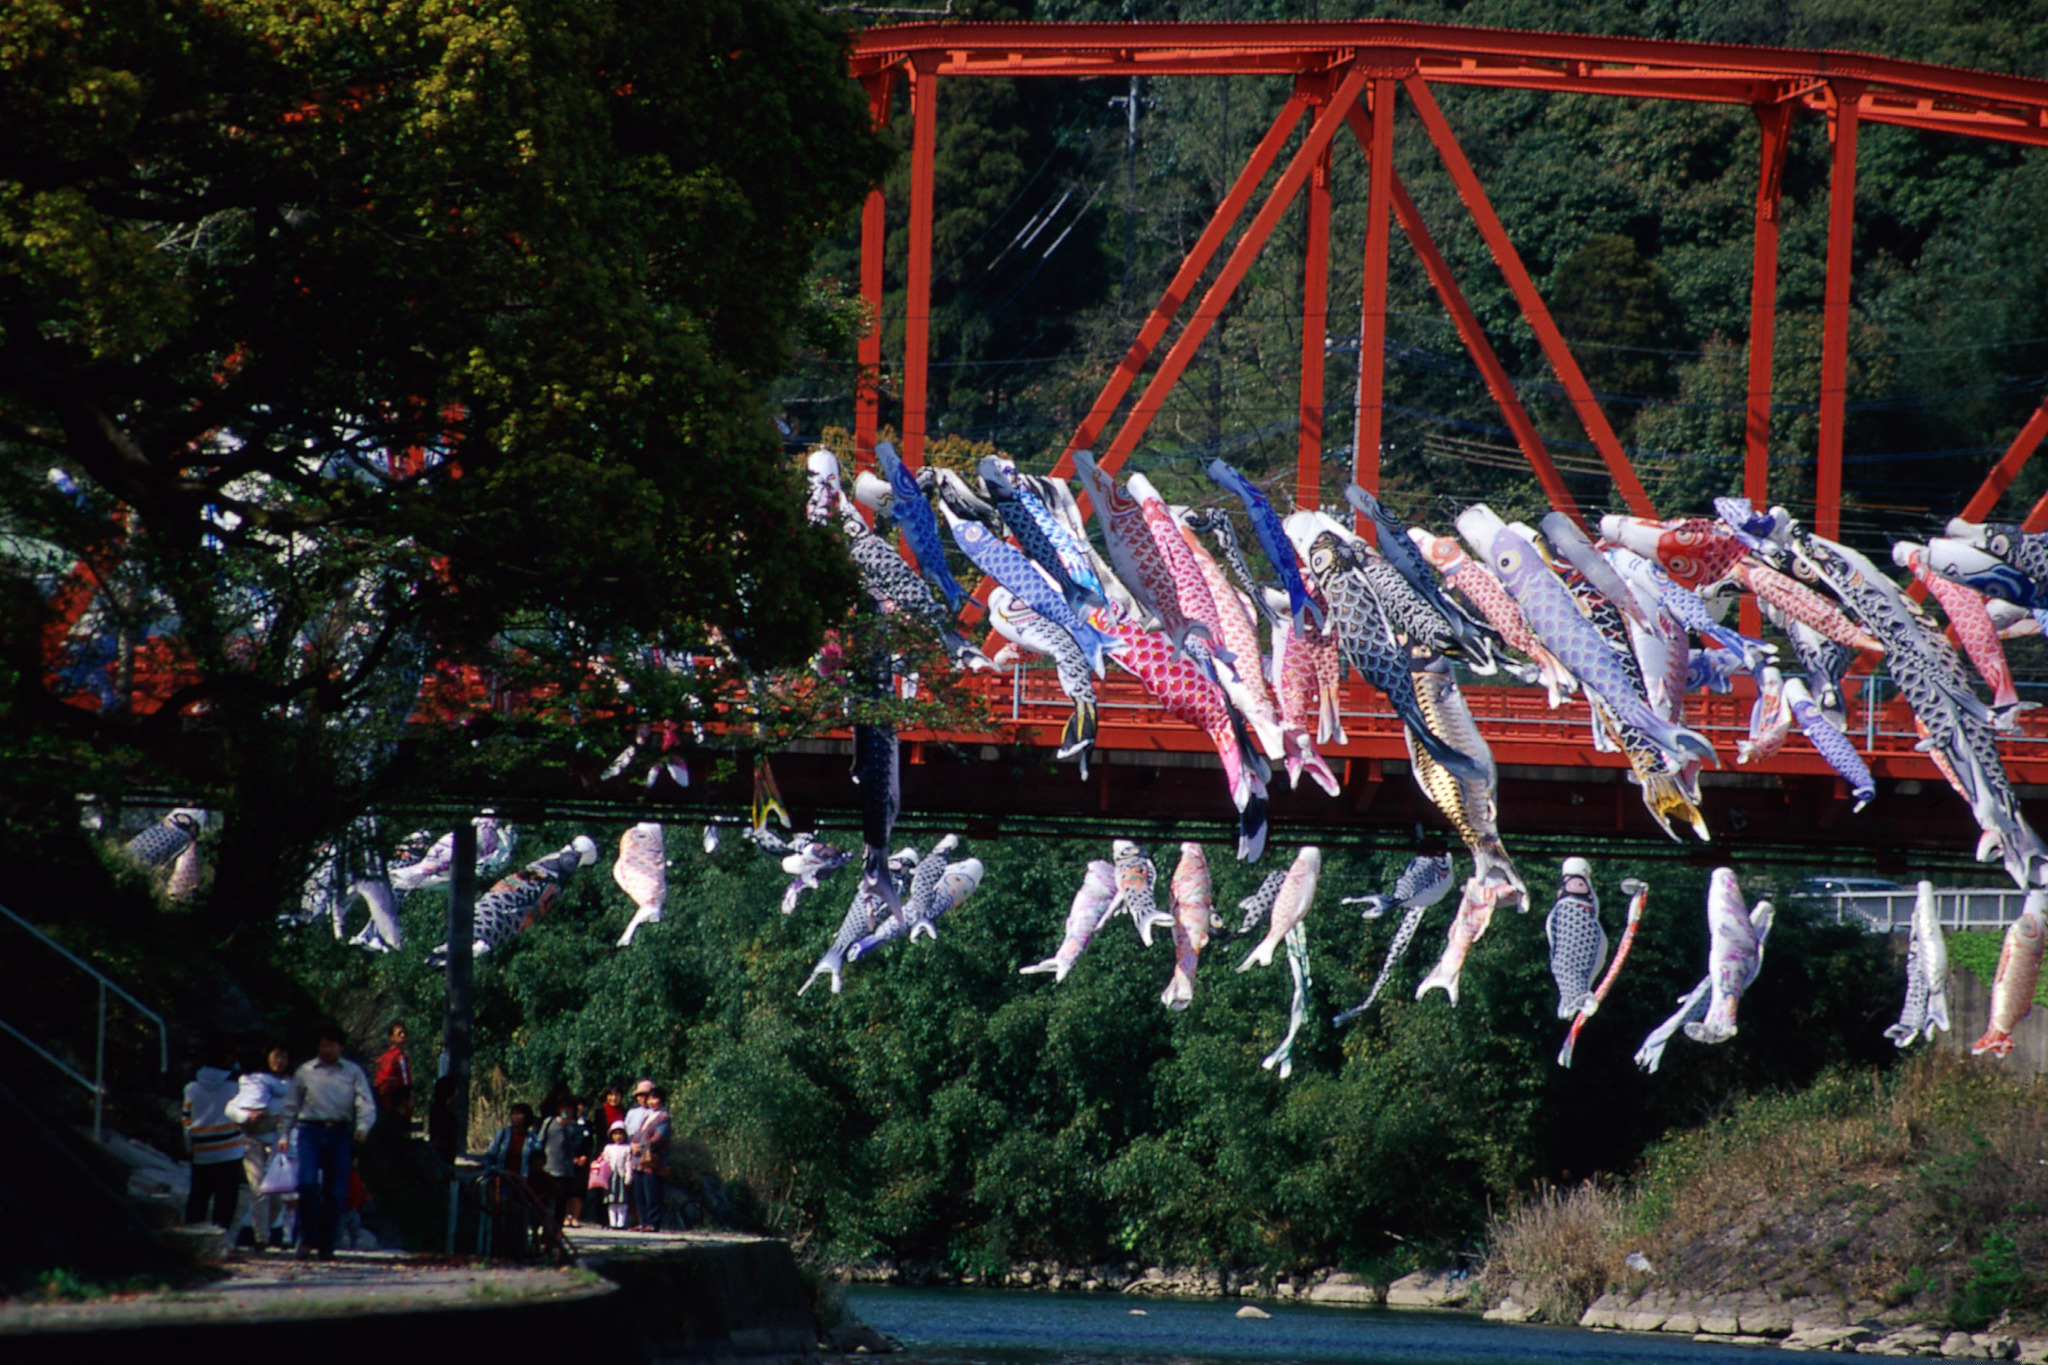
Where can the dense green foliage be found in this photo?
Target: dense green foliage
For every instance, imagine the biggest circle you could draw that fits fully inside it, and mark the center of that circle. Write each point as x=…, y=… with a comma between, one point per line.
x=342, y=339
x=946, y=1109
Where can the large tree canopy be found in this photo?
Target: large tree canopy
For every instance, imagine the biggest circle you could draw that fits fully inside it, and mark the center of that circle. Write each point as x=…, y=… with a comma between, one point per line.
x=441, y=312
x=342, y=339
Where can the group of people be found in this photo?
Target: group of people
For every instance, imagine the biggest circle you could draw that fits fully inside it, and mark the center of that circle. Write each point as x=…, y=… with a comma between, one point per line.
x=294, y=1138
x=290, y=1136
x=610, y=1156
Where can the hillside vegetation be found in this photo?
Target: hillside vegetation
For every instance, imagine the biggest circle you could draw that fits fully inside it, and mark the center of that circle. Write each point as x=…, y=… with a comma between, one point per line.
x=1921, y=1190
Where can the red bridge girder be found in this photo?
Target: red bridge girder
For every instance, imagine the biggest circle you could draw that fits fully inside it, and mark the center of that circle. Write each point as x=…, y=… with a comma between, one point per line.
x=1552, y=781
x=1518, y=723
x=1351, y=69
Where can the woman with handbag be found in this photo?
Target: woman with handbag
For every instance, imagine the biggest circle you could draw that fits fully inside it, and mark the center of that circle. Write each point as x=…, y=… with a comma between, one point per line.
x=257, y=1105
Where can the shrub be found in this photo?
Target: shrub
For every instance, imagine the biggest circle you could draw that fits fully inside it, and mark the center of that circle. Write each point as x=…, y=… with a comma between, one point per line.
x=1563, y=1246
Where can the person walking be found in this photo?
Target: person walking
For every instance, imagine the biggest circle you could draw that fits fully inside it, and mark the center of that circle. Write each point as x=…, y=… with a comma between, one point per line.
x=213, y=1139
x=650, y=1162
x=327, y=1110
x=258, y=1108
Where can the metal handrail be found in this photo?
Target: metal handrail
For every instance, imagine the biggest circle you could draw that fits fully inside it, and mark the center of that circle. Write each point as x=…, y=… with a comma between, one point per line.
x=1034, y=695
x=1955, y=907
x=98, y=1083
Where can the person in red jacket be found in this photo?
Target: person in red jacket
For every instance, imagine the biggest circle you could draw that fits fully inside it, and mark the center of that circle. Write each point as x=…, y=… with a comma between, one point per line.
x=392, y=1080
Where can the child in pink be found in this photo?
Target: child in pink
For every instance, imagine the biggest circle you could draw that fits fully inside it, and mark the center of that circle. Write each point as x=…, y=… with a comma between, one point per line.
x=614, y=1166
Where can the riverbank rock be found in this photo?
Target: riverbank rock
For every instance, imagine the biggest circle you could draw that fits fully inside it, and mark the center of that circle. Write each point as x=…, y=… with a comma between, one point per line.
x=1646, y=1314
x=1509, y=1309
x=1343, y=1288
x=1682, y=1319
x=857, y=1338
x=1907, y=1341
x=1825, y=1339
x=1979, y=1346
x=1426, y=1289
x=1760, y=1316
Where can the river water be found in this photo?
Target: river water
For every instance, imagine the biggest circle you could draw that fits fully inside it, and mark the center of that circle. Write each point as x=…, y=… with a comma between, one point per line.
x=1015, y=1327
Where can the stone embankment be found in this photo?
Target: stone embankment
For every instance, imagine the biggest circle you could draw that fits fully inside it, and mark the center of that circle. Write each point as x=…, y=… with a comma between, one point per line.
x=1796, y=1324
x=1755, y=1319
x=1332, y=1287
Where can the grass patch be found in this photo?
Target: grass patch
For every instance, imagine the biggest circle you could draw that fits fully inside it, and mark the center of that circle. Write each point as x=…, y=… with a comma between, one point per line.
x=1976, y=951
x=64, y=1285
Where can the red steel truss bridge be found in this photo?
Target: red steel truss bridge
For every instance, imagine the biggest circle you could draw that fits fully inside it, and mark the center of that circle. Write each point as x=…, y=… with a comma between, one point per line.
x=1352, y=82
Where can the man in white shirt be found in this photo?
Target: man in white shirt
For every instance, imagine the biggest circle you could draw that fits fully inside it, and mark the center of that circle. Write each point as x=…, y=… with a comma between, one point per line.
x=327, y=1110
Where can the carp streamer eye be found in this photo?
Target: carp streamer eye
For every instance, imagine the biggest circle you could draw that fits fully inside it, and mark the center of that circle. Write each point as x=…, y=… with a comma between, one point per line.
x=1509, y=560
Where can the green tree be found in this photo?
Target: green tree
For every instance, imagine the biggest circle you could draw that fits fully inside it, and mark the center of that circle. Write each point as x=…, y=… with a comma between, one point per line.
x=339, y=339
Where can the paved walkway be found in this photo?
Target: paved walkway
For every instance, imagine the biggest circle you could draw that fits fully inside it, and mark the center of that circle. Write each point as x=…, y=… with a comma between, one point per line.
x=276, y=1284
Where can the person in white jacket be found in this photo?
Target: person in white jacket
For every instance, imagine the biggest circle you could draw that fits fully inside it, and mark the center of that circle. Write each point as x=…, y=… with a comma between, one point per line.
x=215, y=1140
x=257, y=1107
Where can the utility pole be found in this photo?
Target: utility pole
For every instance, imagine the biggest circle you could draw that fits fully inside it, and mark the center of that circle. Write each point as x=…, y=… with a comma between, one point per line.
x=459, y=1028
x=1130, y=104
x=1130, y=182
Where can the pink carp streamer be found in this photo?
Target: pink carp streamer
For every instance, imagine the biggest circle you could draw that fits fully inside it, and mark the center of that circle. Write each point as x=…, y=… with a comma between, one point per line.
x=1803, y=604
x=1975, y=631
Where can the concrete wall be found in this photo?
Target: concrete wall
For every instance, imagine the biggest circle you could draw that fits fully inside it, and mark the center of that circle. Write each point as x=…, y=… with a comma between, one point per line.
x=736, y=1302
x=1969, y=1010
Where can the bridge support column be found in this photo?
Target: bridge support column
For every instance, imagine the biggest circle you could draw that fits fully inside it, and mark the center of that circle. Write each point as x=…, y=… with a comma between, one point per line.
x=917, y=307
x=2008, y=467
x=1372, y=320
x=1328, y=120
x=1775, y=122
x=1834, y=340
x=1474, y=336
x=2037, y=518
x=873, y=240
x=1315, y=331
